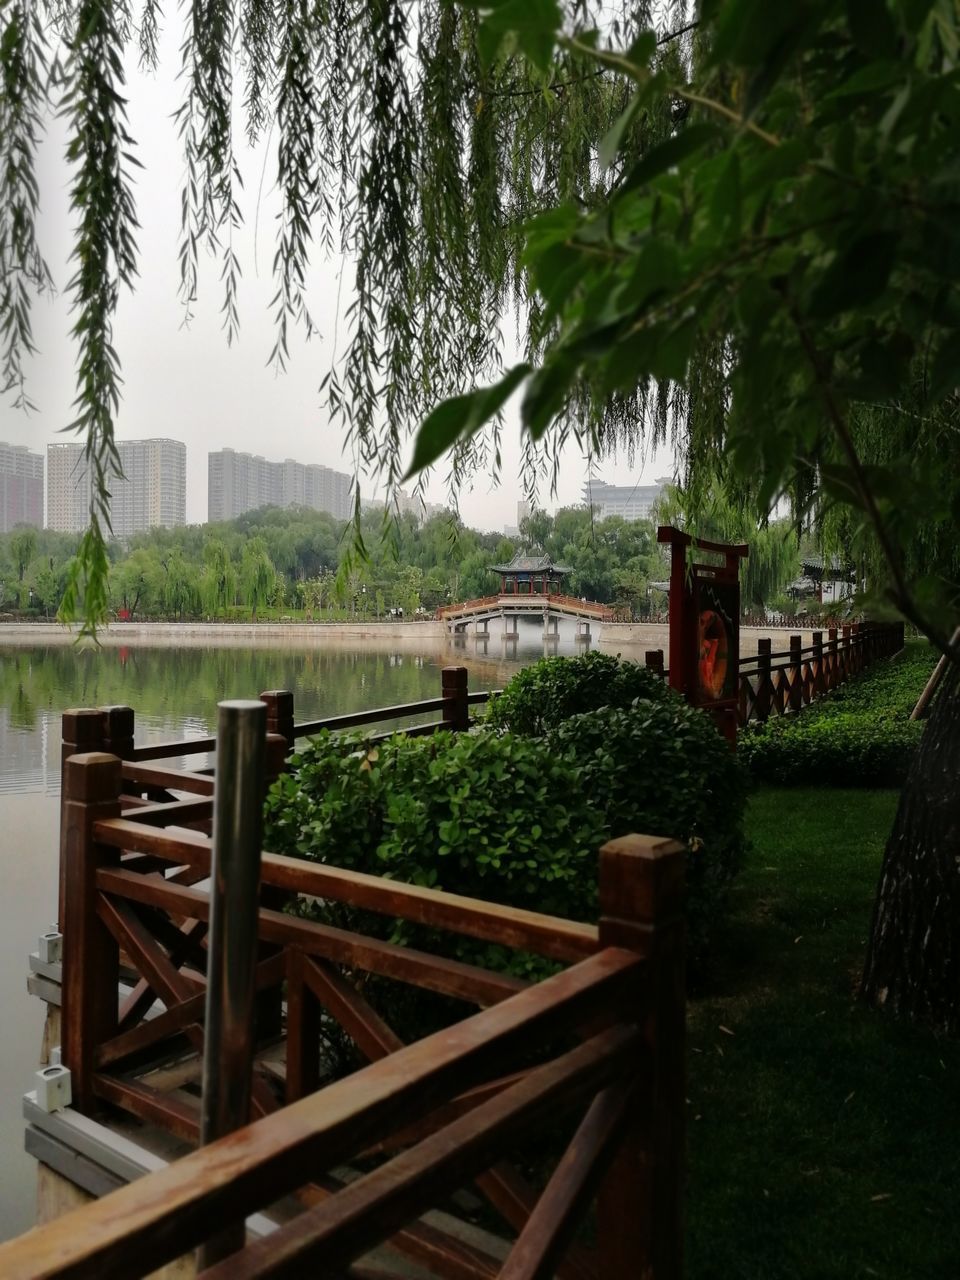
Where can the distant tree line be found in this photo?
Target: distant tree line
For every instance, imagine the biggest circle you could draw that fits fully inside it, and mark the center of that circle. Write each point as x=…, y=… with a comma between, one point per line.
x=299, y=562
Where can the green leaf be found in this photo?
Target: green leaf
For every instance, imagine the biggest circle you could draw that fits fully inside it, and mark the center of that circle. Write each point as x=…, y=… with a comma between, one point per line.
x=610, y=142
x=725, y=199
x=667, y=155
x=856, y=276
x=460, y=418
x=872, y=27
x=533, y=25
x=869, y=79
x=547, y=392
x=945, y=371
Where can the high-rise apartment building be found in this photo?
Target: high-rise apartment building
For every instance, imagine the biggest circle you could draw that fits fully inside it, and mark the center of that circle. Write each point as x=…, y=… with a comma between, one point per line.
x=152, y=492
x=239, y=482
x=632, y=502
x=21, y=487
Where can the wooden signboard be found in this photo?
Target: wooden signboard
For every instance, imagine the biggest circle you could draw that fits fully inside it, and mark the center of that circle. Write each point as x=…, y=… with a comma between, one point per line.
x=705, y=624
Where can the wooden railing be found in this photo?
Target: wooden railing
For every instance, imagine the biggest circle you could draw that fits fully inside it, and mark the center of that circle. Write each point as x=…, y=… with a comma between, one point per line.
x=786, y=682
x=600, y=1042
x=593, y=608
x=113, y=728
x=466, y=606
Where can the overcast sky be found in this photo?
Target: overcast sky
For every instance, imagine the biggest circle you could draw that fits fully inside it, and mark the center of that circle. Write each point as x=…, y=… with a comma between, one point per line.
x=186, y=383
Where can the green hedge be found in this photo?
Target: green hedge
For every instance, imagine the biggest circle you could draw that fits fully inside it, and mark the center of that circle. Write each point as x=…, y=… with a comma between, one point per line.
x=858, y=736
x=477, y=814
x=542, y=696
x=513, y=818
x=661, y=768
x=517, y=820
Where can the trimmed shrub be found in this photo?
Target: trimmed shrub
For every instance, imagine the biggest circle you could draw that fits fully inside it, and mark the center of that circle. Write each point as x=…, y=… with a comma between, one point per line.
x=516, y=820
x=858, y=736
x=486, y=815
x=662, y=768
x=540, y=697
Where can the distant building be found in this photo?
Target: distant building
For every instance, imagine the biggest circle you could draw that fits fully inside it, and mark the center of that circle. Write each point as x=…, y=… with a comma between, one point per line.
x=531, y=576
x=151, y=494
x=827, y=583
x=632, y=502
x=407, y=506
x=524, y=510
x=240, y=482
x=21, y=487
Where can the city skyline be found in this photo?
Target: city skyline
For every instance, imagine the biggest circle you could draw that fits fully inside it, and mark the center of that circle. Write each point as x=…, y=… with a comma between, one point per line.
x=238, y=482
x=272, y=483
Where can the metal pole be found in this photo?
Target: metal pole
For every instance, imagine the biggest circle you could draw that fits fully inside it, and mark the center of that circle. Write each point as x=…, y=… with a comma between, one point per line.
x=232, y=944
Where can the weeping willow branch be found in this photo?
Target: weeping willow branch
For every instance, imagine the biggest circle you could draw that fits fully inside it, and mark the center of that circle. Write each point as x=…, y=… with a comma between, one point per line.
x=104, y=258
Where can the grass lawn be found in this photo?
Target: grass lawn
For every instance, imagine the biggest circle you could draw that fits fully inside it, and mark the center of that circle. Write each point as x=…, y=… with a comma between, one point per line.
x=824, y=1139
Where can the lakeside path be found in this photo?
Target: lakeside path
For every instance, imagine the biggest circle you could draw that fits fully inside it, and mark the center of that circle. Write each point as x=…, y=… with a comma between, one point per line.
x=631, y=638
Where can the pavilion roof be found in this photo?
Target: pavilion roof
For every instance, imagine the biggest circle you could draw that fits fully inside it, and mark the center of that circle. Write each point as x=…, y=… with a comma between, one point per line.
x=531, y=564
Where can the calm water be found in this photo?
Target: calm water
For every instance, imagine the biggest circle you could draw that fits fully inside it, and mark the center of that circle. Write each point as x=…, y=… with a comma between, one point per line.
x=174, y=692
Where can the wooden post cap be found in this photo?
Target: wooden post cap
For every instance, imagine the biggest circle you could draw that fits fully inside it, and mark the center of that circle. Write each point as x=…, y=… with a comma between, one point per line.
x=280, y=699
x=82, y=725
x=642, y=878
x=92, y=775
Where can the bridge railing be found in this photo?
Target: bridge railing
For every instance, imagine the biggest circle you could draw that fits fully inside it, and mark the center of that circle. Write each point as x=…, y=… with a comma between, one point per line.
x=601, y=1041
x=603, y=612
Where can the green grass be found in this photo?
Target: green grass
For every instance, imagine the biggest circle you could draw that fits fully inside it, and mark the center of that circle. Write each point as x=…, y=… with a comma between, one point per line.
x=824, y=1139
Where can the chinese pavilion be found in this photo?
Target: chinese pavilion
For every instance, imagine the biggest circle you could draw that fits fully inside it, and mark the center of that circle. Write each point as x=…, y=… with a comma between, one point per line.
x=530, y=576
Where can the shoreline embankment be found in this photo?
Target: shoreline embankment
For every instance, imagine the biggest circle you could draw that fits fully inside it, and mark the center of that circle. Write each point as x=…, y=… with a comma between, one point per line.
x=632, y=637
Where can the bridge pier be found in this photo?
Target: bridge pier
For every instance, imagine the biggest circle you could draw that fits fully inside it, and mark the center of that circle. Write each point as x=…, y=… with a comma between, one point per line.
x=583, y=630
x=551, y=627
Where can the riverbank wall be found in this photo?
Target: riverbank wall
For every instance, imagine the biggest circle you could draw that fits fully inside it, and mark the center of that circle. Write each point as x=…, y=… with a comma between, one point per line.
x=630, y=638
x=233, y=634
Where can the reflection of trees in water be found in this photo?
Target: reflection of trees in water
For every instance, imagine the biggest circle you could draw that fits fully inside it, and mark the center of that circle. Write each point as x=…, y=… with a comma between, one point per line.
x=181, y=684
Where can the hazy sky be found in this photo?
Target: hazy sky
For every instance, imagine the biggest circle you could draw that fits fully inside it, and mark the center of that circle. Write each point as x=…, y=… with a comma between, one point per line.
x=186, y=383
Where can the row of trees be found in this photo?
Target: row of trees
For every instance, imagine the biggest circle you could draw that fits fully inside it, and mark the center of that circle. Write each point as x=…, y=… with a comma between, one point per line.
x=302, y=560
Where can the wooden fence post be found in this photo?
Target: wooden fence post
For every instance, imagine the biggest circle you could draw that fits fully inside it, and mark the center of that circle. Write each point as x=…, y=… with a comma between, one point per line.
x=275, y=760
x=91, y=956
x=846, y=665
x=761, y=703
x=833, y=674
x=856, y=639
x=453, y=684
x=82, y=729
x=819, y=684
x=640, y=1203
x=796, y=674
x=280, y=717
x=118, y=731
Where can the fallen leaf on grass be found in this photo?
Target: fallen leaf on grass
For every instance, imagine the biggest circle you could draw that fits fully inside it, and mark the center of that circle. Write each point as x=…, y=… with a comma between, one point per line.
x=726, y=1031
x=798, y=938
x=884, y=1195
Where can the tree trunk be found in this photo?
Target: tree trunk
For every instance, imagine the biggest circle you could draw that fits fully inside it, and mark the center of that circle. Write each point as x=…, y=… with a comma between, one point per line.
x=913, y=957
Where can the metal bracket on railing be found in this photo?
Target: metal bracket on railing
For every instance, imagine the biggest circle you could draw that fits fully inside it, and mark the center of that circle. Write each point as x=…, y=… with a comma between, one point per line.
x=53, y=1088
x=50, y=946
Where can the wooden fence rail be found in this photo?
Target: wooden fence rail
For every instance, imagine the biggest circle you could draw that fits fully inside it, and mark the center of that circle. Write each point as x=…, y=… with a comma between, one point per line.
x=786, y=682
x=601, y=1042
x=770, y=684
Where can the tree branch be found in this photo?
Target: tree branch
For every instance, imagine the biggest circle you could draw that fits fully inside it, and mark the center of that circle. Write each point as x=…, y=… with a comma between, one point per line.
x=902, y=596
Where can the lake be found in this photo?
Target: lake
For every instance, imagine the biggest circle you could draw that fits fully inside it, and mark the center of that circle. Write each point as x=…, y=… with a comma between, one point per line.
x=174, y=691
